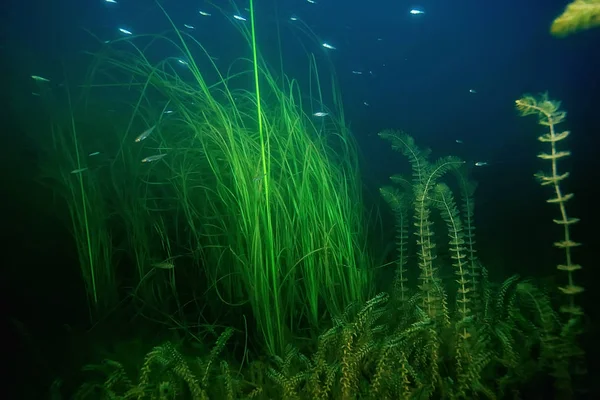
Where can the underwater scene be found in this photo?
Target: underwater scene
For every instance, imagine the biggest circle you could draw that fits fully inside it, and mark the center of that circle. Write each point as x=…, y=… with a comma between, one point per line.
x=300, y=199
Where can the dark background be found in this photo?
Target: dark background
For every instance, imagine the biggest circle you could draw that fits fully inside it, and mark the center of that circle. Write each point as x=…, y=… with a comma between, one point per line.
x=416, y=78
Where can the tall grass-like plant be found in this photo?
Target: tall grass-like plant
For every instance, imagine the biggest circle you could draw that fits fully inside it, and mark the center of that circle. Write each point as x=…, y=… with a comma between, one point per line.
x=252, y=196
x=68, y=172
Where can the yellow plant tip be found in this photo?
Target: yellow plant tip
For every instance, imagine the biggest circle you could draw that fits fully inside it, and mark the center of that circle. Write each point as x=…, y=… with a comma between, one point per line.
x=547, y=109
x=579, y=15
x=526, y=105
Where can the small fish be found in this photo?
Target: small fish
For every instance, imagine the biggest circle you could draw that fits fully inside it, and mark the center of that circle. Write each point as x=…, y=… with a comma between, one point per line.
x=312, y=1
x=144, y=135
x=155, y=157
x=357, y=72
x=416, y=11
x=189, y=26
x=204, y=13
x=78, y=171
x=39, y=78
x=239, y=17
x=125, y=31
x=481, y=164
x=182, y=62
x=110, y=1
x=458, y=141
x=293, y=18
x=472, y=91
x=320, y=114
x=366, y=104
x=168, y=112
x=164, y=265
x=94, y=154
x=328, y=46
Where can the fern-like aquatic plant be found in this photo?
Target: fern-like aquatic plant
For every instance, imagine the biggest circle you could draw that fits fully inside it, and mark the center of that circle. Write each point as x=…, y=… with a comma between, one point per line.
x=425, y=176
x=450, y=214
x=550, y=115
x=458, y=352
x=165, y=373
x=567, y=354
x=467, y=190
x=399, y=204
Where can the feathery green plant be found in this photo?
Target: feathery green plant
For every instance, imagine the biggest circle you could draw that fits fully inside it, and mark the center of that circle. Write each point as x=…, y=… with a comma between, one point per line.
x=461, y=347
x=563, y=347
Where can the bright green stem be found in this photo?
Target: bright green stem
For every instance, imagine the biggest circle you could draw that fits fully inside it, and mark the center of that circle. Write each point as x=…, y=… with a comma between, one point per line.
x=84, y=205
x=264, y=149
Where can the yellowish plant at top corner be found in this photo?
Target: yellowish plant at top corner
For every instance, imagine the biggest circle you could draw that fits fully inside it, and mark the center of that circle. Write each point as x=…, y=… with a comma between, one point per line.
x=579, y=15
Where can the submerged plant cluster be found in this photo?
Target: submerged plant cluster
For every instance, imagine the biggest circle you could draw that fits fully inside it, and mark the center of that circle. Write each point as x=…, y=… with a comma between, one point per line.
x=220, y=206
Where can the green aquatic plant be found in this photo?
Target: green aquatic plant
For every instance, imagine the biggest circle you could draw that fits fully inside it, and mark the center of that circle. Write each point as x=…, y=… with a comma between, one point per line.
x=425, y=177
x=238, y=200
x=490, y=327
x=550, y=115
x=164, y=374
x=66, y=170
x=252, y=202
x=562, y=349
x=366, y=354
x=455, y=338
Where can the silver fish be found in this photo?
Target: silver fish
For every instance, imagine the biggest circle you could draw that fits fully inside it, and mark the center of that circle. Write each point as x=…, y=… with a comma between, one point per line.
x=164, y=265
x=155, y=157
x=39, y=78
x=145, y=134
